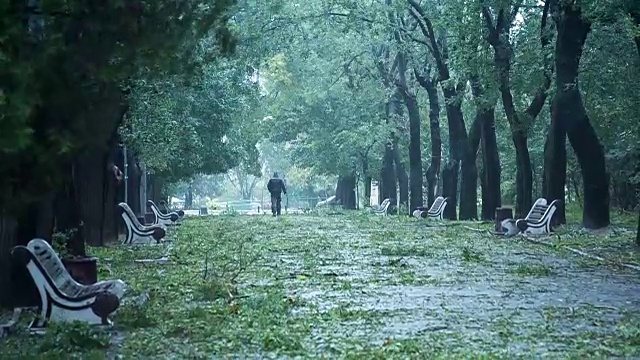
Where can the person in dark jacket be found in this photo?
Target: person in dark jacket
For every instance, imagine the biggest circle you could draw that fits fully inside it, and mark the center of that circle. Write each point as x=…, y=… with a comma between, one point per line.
x=276, y=189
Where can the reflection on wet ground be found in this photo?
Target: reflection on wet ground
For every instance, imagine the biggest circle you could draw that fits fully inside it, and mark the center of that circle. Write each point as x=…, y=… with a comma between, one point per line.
x=404, y=280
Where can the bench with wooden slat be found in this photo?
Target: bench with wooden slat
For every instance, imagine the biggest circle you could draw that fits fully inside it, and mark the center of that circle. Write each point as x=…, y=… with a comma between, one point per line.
x=383, y=208
x=165, y=209
x=169, y=219
x=62, y=298
x=136, y=233
x=436, y=211
x=538, y=220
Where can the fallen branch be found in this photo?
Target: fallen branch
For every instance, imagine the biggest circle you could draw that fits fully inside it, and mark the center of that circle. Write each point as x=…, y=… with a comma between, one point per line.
x=582, y=253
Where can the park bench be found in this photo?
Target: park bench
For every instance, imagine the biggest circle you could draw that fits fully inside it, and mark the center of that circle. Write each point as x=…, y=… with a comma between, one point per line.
x=383, y=208
x=436, y=211
x=136, y=233
x=165, y=209
x=538, y=220
x=61, y=297
x=169, y=219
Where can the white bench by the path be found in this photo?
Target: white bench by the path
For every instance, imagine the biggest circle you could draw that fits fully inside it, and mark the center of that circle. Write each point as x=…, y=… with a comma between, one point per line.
x=137, y=233
x=165, y=209
x=61, y=297
x=436, y=211
x=169, y=219
x=538, y=220
x=383, y=208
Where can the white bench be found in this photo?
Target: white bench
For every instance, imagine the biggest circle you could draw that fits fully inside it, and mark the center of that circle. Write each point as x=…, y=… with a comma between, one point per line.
x=436, y=211
x=169, y=219
x=137, y=233
x=383, y=208
x=538, y=220
x=165, y=209
x=61, y=297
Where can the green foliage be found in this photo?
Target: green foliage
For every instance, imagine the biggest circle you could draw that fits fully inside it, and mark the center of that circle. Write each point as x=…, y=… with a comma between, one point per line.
x=309, y=286
x=67, y=69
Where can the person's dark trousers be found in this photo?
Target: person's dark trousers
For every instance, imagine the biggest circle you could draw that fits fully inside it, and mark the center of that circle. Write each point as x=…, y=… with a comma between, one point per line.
x=276, y=201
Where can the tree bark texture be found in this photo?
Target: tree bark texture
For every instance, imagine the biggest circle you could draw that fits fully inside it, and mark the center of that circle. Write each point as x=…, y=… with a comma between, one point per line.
x=498, y=38
x=572, y=34
x=415, y=152
x=8, y=234
x=490, y=174
x=555, y=167
x=469, y=173
x=458, y=144
x=433, y=171
x=346, y=191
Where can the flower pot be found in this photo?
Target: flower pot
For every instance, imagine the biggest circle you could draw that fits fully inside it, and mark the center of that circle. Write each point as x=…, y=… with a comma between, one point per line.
x=83, y=269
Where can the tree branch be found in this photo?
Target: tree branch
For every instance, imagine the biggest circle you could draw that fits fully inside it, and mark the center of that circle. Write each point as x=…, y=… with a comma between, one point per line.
x=427, y=31
x=492, y=38
x=350, y=15
x=540, y=97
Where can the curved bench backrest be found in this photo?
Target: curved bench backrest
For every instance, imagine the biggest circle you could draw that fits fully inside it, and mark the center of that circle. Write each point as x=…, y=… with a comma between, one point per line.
x=548, y=212
x=437, y=204
x=52, y=265
x=537, y=210
x=385, y=204
x=153, y=206
x=128, y=215
x=163, y=207
x=159, y=215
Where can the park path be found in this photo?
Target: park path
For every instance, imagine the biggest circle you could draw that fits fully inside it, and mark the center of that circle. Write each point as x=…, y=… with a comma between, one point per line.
x=447, y=287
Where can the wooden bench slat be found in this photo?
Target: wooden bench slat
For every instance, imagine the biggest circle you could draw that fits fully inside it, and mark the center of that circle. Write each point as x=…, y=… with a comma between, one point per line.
x=62, y=298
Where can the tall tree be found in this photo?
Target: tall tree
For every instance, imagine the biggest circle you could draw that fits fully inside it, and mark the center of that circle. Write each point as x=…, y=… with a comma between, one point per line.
x=459, y=153
x=429, y=82
x=498, y=36
x=572, y=31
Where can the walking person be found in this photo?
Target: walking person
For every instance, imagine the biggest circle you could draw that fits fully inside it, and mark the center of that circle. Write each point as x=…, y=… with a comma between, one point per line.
x=276, y=188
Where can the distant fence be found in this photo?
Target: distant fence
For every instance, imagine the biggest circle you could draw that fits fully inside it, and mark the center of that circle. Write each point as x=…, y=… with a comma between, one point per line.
x=265, y=204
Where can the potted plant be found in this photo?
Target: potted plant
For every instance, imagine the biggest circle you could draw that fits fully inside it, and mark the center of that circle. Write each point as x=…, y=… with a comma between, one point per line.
x=82, y=268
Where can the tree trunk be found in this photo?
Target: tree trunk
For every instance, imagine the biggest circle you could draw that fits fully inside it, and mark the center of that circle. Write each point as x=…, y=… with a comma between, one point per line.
x=492, y=197
x=401, y=176
x=8, y=234
x=572, y=34
x=67, y=214
x=397, y=112
x=638, y=231
x=449, y=187
x=387, y=175
x=555, y=167
x=367, y=179
x=188, y=198
x=490, y=174
x=156, y=188
x=415, y=152
x=346, y=191
x=498, y=38
x=469, y=173
x=458, y=144
x=484, y=191
x=433, y=171
x=91, y=175
x=524, y=174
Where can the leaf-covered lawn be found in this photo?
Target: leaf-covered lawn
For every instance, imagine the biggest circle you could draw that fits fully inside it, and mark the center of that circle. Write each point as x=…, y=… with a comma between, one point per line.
x=353, y=286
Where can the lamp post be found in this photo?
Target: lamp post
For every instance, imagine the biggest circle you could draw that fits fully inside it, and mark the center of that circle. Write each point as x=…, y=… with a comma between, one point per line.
x=126, y=174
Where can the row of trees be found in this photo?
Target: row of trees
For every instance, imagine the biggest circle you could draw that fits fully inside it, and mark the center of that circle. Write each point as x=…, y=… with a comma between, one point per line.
x=342, y=84
x=79, y=79
x=513, y=80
